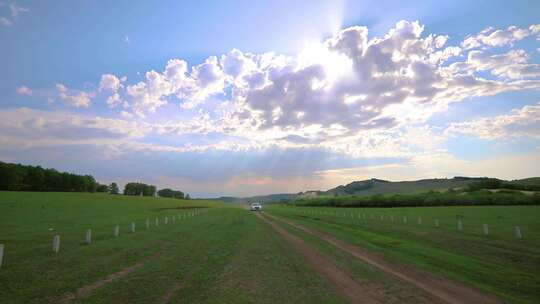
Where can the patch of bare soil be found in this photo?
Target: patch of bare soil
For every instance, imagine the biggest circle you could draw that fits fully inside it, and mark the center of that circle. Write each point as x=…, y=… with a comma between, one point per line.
x=343, y=283
x=87, y=290
x=167, y=297
x=440, y=287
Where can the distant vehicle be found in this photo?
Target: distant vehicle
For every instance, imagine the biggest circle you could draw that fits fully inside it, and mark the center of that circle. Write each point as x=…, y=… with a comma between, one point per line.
x=255, y=207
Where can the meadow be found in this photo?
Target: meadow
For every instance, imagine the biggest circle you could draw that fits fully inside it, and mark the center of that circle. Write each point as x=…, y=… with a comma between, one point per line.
x=498, y=262
x=212, y=257
x=221, y=253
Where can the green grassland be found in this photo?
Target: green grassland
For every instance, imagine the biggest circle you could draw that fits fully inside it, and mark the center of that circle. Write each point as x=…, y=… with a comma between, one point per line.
x=498, y=263
x=216, y=253
x=221, y=255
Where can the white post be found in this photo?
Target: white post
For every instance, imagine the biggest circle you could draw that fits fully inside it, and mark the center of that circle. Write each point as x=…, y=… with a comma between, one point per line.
x=382, y=217
x=116, y=231
x=517, y=231
x=459, y=225
x=157, y=222
x=1, y=254
x=166, y=220
x=485, y=228
x=147, y=224
x=88, y=236
x=419, y=221
x=405, y=219
x=436, y=223
x=132, y=227
x=56, y=243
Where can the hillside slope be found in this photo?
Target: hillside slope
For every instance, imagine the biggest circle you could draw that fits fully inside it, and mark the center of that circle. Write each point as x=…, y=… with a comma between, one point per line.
x=377, y=186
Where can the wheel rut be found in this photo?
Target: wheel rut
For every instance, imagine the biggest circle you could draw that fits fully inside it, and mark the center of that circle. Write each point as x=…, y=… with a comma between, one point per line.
x=343, y=283
x=442, y=288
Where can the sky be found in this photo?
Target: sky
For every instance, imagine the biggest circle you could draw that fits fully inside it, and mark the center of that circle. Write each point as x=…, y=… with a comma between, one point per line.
x=257, y=97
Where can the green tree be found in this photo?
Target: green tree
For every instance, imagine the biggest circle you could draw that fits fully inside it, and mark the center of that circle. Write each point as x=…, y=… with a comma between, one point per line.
x=113, y=188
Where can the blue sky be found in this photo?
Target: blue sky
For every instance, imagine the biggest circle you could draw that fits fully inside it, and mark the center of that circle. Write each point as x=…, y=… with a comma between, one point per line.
x=254, y=97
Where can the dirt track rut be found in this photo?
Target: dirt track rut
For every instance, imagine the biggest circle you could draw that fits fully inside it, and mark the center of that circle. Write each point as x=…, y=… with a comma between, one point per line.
x=441, y=288
x=343, y=283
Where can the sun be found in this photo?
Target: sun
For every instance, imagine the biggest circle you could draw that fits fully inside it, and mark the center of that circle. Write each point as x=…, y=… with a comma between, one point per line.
x=335, y=64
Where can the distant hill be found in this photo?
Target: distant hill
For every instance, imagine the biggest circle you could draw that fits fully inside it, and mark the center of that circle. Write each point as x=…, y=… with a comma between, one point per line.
x=271, y=198
x=531, y=181
x=378, y=186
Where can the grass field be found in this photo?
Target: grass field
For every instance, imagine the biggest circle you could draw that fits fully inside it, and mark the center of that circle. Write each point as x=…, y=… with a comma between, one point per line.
x=499, y=263
x=214, y=257
x=216, y=253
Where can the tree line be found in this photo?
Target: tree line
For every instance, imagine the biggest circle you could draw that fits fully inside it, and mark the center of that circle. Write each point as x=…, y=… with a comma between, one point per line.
x=17, y=177
x=494, y=183
x=432, y=198
x=140, y=189
x=171, y=193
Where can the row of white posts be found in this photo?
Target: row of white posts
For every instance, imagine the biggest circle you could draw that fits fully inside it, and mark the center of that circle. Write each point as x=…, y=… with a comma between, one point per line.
x=116, y=231
x=485, y=227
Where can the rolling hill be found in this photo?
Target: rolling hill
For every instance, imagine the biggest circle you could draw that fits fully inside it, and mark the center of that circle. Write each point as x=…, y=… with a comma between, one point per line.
x=378, y=186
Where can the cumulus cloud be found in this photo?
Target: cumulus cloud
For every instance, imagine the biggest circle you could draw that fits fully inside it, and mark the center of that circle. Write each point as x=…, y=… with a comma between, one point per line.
x=513, y=64
x=349, y=93
x=497, y=38
x=110, y=85
x=24, y=90
x=519, y=123
x=74, y=98
x=347, y=82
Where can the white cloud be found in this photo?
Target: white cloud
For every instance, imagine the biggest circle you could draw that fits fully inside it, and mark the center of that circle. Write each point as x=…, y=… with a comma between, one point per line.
x=497, y=38
x=5, y=22
x=519, y=123
x=109, y=83
x=512, y=64
x=15, y=11
x=28, y=127
x=348, y=94
x=114, y=100
x=24, y=90
x=149, y=95
x=74, y=97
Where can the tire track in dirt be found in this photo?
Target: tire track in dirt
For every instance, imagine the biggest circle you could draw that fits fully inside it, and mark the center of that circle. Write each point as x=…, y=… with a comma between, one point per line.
x=441, y=288
x=343, y=282
x=87, y=290
x=167, y=297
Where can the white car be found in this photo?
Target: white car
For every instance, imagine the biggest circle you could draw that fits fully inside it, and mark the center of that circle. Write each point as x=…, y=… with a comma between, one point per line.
x=255, y=207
